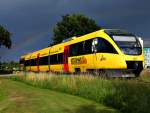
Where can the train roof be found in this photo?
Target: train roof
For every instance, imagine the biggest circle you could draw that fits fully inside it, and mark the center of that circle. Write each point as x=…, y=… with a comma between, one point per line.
x=59, y=47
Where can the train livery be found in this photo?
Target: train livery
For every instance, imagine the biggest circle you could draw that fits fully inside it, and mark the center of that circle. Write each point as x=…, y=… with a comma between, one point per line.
x=109, y=51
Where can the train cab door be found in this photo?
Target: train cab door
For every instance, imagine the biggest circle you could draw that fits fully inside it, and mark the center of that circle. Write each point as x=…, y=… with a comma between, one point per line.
x=107, y=56
x=65, y=58
x=94, y=51
x=38, y=62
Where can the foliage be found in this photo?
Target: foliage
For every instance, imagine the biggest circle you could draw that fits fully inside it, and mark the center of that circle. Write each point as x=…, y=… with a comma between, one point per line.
x=145, y=75
x=5, y=37
x=73, y=25
x=126, y=96
x=8, y=67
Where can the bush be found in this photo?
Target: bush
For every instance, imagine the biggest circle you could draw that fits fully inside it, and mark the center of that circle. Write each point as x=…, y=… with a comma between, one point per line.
x=6, y=71
x=145, y=75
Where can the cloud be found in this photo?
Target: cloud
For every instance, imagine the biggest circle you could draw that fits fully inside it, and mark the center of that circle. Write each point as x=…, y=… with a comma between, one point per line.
x=38, y=17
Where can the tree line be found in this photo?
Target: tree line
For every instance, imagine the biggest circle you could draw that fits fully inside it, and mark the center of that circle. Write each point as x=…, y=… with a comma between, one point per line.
x=9, y=67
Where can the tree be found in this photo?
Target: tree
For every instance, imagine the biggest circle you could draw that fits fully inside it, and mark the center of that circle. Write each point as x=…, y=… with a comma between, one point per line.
x=73, y=25
x=5, y=37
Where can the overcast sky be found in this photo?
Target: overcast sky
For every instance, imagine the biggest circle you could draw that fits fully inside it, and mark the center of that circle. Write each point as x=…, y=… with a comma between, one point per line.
x=31, y=21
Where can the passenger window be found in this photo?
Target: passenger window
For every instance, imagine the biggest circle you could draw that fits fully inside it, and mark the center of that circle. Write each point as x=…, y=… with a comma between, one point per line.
x=53, y=59
x=60, y=58
x=80, y=48
x=76, y=49
x=73, y=50
x=56, y=59
x=88, y=46
x=43, y=60
x=27, y=62
x=104, y=46
x=33, y=62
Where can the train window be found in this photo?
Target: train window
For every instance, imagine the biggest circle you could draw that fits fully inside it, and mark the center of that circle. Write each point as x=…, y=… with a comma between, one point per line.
x=85, y=47
x=73, y=50
x=33, y=62
x=60, y=58
x=80, y=48
x=53, y=59
x=88, y=46
x=43, y=60
x=56, y=59
x=104, y=46
x=21, y=61
x=76, y=49
x=27, y=62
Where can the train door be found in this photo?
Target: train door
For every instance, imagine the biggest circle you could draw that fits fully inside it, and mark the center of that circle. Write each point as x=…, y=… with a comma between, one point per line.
x=38, y=62
x=30, y=64
x=89, y=55
x=65, y=58
x=49, y=59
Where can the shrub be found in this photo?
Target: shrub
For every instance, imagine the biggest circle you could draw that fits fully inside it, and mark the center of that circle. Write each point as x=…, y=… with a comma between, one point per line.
x=145, y=75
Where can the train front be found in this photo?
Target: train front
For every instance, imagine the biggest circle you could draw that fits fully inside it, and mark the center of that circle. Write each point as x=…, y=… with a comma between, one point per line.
x=130, y=49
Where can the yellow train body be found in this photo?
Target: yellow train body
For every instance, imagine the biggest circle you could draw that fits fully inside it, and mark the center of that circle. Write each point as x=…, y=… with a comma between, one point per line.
x=64, y=57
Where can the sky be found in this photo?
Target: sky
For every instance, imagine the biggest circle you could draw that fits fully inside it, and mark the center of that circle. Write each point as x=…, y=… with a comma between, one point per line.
x=31, y=22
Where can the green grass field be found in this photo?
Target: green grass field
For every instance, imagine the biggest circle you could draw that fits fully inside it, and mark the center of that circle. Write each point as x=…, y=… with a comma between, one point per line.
x=17, y=97
x=127, y=96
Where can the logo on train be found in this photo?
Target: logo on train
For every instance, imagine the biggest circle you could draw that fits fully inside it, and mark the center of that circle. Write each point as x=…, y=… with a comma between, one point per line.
x=102, y=58
x=79, y=60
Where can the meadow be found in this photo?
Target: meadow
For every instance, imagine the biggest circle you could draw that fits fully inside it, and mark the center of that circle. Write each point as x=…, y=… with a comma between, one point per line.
x=17, y=97
x=127, y=96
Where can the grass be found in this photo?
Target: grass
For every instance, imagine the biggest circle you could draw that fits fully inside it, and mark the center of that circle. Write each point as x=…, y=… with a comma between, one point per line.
x=17, y=97
x=129, y=96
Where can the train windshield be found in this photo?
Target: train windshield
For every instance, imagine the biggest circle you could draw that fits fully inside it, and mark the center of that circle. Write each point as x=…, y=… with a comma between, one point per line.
x=128, y=44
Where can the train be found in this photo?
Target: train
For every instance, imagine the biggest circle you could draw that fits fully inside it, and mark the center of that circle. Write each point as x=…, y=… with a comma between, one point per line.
x=111, y=52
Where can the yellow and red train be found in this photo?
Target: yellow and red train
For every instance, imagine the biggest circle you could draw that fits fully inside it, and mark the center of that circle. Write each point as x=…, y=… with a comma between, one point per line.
x=106, y=50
